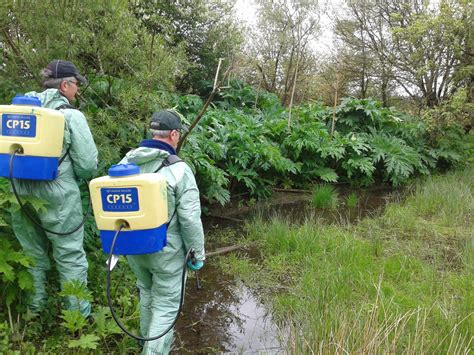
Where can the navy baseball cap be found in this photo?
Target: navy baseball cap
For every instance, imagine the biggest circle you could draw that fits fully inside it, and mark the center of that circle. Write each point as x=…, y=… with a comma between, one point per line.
x=64, y=69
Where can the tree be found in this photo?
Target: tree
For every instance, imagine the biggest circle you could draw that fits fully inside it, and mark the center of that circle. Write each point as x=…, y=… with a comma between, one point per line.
x=205, y=29
x=464, y=75
x=280, y=50
x=355, y=57
x=416, y=44
x=365, y=38
x=102, y=39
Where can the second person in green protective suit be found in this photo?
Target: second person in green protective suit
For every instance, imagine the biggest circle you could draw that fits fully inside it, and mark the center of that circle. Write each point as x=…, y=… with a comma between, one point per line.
x=61, y=80
x=159, y=274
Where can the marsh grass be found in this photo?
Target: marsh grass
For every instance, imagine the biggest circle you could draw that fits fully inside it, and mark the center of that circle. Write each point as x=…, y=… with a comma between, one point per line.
x=325, y=197
x=352, y=200
x=397, y=283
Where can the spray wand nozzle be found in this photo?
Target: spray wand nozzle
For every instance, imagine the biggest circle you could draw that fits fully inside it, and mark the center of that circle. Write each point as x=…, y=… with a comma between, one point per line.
x=193, y=260
x=113, y=259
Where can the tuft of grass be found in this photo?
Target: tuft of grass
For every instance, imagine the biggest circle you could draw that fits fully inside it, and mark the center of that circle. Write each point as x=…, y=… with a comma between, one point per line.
x=352, y=200
x=325, y=197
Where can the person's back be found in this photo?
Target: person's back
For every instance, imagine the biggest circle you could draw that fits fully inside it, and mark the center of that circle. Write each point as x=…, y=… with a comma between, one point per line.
x=159, y=274
x=63, y=204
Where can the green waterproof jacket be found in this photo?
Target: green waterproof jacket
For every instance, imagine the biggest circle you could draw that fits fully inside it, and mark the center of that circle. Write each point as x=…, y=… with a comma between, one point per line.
x=185, y=230
x=80, y=161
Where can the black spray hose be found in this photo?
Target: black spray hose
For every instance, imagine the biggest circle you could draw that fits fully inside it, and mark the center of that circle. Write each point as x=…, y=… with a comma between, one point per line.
x=30, y=217
x=109, y=299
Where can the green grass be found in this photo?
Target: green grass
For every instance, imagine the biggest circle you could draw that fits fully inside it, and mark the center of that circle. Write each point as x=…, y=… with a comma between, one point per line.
x=398, y=283
x=352, y=200
x=325, y=197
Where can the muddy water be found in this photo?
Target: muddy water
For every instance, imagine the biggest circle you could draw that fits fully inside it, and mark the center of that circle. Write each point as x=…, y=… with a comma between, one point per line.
x=228, y=317
x=224, y=317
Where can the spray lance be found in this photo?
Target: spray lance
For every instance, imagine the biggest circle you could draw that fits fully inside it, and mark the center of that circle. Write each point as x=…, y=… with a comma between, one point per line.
x=31, y=141
x=131, y=212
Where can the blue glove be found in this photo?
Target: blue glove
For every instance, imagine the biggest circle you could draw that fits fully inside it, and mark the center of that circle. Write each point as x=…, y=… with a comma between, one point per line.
x=196, y=266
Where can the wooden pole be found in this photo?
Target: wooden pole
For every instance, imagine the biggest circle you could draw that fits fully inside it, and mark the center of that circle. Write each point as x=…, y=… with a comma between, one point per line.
x=336, y=87
x=293, y=89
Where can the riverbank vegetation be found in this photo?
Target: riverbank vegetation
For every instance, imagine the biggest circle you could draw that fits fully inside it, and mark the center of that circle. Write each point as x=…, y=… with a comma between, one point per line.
x=399, y=282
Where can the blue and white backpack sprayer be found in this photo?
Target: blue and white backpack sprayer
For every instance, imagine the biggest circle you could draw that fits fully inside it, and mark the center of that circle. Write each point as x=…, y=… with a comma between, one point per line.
x=131, y=212
x=31, y=141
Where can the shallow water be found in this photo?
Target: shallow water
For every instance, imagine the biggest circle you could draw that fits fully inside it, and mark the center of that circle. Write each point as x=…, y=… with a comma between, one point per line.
x=297, y=207
x=225, y=317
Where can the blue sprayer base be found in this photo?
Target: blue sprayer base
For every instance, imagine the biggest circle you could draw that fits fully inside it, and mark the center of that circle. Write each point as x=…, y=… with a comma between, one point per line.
x=29, y=167
x=135, y=242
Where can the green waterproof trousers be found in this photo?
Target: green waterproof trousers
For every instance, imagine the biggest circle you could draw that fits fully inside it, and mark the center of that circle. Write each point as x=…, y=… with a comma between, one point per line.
x=159, y=298
x=67, y=251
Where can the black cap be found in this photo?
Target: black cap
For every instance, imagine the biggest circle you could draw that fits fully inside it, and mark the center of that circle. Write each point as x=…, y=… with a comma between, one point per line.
x=64, y=69
x=166, y=120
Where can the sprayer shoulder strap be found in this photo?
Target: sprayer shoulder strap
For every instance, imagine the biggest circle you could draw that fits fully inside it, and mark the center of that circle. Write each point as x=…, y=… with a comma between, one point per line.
x=64, y=156
x=64, y=106
x=170, y=160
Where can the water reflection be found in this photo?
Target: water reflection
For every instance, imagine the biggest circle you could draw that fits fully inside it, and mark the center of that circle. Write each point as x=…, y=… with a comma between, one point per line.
x=224, y=317
x=258, y=333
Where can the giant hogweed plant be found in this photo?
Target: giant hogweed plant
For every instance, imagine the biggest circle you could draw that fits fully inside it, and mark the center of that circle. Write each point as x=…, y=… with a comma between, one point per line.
x=368, y=116
x=232, y=149
x=243, y=147
x=237, y=95
x=309, y=143
x=370, y=142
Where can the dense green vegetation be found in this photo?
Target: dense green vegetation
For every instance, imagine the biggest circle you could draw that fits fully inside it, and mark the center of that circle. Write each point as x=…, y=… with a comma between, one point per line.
x=149, y=57
x=280, y=119
x=400, y=282
x=247, y=143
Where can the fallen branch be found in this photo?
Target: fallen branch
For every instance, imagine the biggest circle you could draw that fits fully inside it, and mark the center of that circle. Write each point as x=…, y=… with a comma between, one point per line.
x=292, y=190
x=226, y=250
x=228, y=218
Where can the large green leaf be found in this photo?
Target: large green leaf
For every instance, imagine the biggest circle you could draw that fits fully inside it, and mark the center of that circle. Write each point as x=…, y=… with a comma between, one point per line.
x=87, y=341
x=326, y=174
x=25, y=280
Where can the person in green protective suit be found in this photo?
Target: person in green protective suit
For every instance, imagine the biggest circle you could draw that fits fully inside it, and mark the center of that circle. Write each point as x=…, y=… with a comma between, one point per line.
x=63, y=209
x=159, y=274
